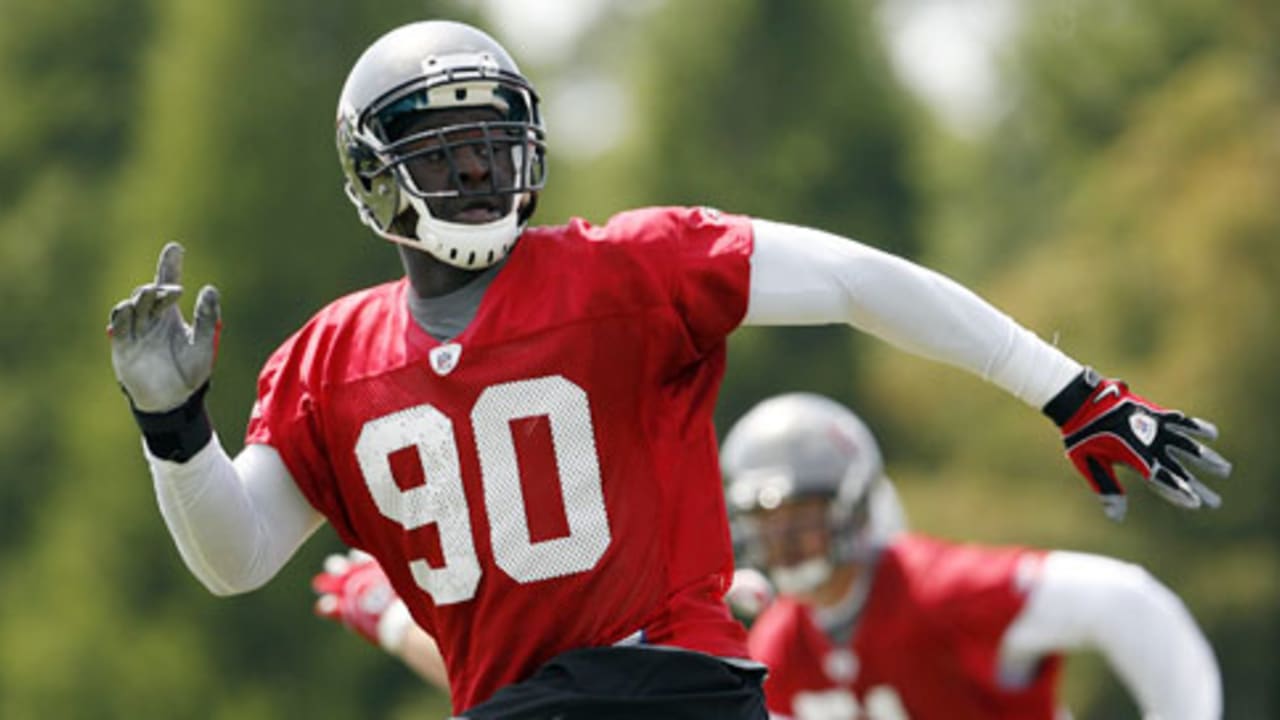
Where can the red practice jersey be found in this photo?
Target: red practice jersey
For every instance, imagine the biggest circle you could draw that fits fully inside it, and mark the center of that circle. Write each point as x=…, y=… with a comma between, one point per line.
x=925, y=644
x=548, y=479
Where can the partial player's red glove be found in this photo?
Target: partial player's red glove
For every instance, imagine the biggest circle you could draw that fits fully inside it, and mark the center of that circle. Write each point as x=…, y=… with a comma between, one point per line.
x=750, y=594
x=355, y=591
x=1103, y=423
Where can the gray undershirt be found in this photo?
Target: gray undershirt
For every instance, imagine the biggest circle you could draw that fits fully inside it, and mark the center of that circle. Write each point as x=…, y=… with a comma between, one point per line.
x=840, y=620
x=444, y=317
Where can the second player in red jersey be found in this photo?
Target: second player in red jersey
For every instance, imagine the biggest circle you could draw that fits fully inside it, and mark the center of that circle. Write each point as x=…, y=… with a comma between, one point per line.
x=926, y=640
x=873, y=623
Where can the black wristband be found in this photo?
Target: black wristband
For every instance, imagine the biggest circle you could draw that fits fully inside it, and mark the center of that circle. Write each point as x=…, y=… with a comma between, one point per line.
x=180, y=433
x=1070, y=398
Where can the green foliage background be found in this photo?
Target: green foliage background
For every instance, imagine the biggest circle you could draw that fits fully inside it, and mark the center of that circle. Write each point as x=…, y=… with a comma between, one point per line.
x=1127, y=203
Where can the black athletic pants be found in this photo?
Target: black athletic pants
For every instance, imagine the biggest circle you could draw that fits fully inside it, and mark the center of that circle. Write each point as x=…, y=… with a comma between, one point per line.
x=630, y=683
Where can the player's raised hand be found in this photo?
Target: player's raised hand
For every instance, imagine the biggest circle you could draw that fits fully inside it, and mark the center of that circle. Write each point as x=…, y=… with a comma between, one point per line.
x=1103, y=423
x=158, y=358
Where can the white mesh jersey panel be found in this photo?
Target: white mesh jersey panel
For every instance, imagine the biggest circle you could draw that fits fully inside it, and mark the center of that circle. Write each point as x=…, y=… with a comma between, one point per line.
x=573, y=441
x=441, y=500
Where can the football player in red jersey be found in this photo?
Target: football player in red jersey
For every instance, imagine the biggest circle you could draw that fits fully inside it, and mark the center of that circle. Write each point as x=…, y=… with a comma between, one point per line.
x=873, y=622
x=520, y=429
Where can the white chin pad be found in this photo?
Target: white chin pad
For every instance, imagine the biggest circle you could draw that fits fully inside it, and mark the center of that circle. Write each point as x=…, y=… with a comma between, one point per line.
x=472, y=247
x=803, y=577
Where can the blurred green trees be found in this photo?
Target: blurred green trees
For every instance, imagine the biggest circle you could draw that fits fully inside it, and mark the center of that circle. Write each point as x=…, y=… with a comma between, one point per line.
x=1125, y=207
x=788, y=112
x=1125, y=204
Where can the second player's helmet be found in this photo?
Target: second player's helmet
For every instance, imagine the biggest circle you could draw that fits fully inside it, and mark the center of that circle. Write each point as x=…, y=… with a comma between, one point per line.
x=801, y=445
x=423, y=67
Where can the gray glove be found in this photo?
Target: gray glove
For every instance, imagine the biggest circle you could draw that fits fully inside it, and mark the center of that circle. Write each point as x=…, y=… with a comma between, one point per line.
x=159, y=359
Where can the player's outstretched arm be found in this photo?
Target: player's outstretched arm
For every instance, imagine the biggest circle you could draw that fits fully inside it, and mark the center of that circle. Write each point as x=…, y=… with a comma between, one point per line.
x=235, y=523
x=801, y=276
x=1144, y=631
x=355, y=592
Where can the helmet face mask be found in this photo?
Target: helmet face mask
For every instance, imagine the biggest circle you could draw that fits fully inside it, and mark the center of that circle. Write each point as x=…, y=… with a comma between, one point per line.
x=430, y=161
x=806, y=489
x=800, y=542
x=792, y=533
x=441, y=142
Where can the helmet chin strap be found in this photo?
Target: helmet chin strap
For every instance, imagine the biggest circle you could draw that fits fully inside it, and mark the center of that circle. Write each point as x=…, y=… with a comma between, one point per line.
x=802, y=578
x=464, y=245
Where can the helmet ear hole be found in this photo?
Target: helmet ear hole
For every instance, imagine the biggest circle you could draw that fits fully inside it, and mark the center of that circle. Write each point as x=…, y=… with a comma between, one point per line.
x=364, y=162
x=406, y=222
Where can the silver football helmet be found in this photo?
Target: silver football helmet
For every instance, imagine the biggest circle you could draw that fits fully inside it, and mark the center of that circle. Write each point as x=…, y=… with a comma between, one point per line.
x=797, y=446
x=420, y=68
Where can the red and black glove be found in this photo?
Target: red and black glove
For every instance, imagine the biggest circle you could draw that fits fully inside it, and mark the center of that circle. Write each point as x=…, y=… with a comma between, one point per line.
x=1103, y=423
x=355, y=591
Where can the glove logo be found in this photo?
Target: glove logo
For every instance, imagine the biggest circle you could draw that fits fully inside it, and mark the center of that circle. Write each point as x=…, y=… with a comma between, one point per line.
x=1143, y=427
x=1107, y=391
x=445, y=358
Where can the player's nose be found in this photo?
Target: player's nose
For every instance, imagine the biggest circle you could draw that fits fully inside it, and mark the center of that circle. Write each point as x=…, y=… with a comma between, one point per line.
x=473, y=161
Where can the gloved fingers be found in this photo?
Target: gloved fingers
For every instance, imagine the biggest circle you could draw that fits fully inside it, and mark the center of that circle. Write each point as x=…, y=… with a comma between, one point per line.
x=169, y=266
x=750, y=593
x=120, y=322
x=1110, y=491
x=1207, y=495
x=1103, y=477
x=327, y=606
x=1184, y=460
x=1198, y=427
x=336, y=564
x=337, y=584
x=356, y=555
x=330, y=581
x=1212, y=462
x=325, y=583
x=337, y=576
x=1174, y=488
x=150, y=302
x=1104, y=481
x=1114, y=506
x=1187, y=451
x=143, y=299
x=204, y=326
x=166, y=296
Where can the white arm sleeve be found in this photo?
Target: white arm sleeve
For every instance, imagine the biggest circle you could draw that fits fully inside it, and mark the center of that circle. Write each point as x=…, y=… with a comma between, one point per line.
x=801, y=276
x=1143, y=630
x=237, y=522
